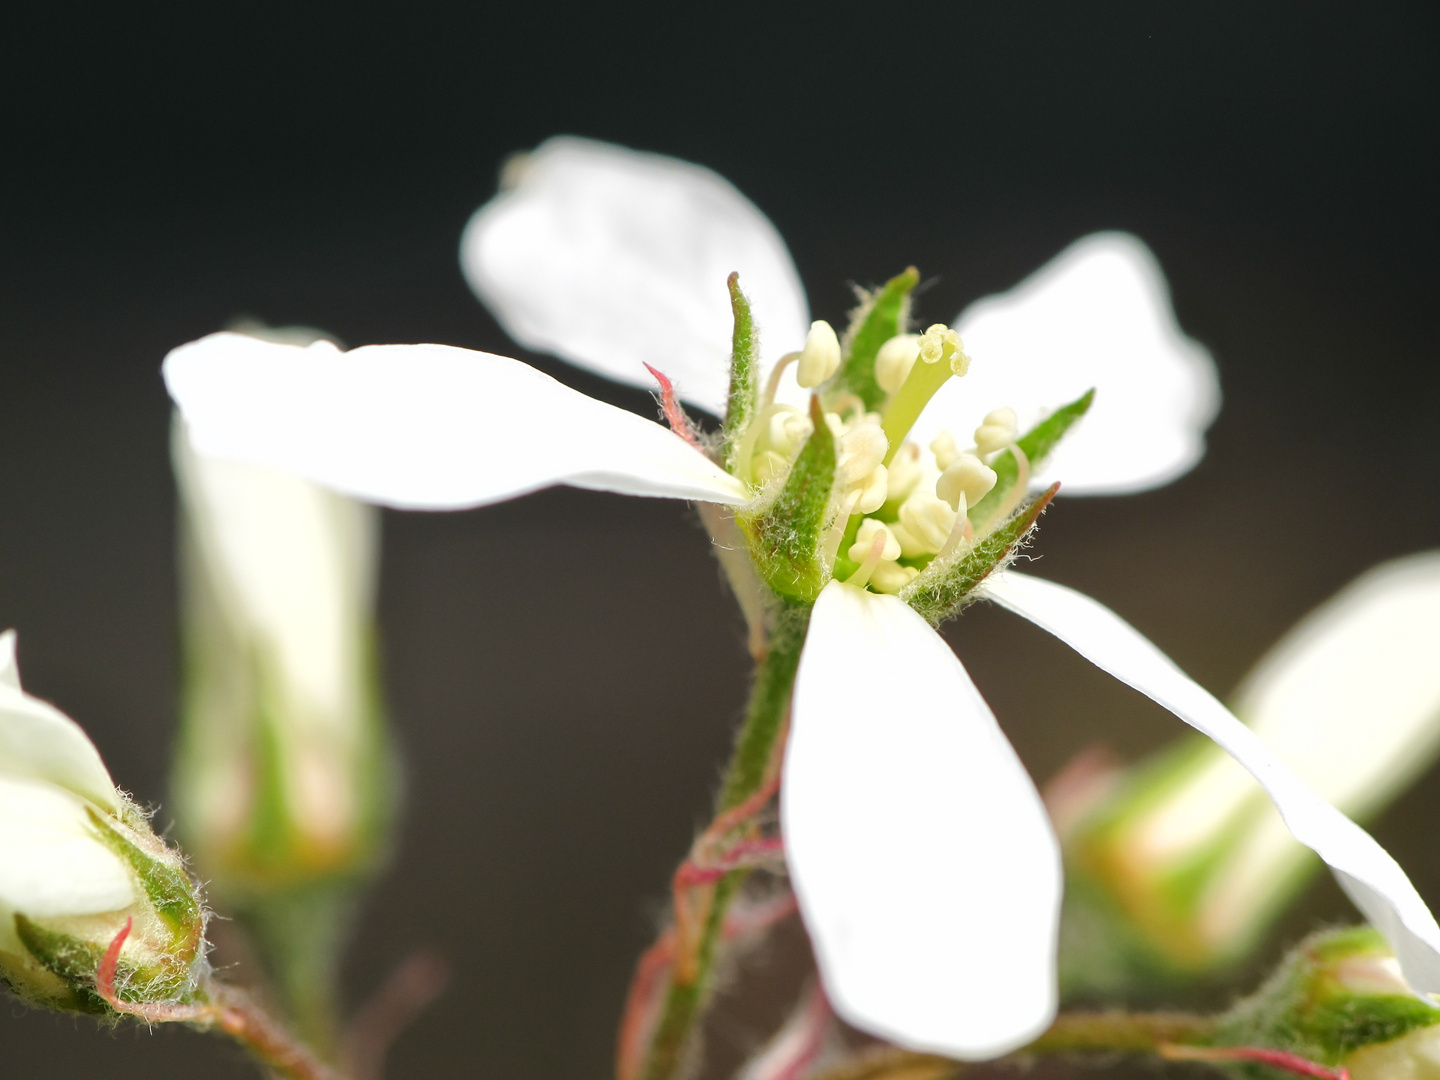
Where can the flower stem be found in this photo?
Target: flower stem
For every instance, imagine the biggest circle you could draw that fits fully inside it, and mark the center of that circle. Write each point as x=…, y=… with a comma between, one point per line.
x=1072, y=1033
x=751, y=767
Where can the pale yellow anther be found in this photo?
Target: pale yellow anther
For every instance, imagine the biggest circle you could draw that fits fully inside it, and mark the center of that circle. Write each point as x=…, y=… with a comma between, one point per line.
x=967, y=476
x=873, y=491
x=928, y=520
x=865, y=542
x=894, y=361
x=941, y=344
x=906, y=469
x=788, y=428
x=910, y=548
x=945, y=450
x=862, y=448
x=998, y=431
x=891, y=577
x=821, y=356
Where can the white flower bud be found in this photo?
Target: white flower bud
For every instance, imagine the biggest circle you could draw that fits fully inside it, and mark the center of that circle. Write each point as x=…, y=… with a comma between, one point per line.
x=940, y=344
x=999, y=430
x=905, y=471
x=872, y=491
x=928, y=520
x=968, y=476
x=77, y=860
x=945, y=450
x=894, y=361
x=865, y=537
x=890, y=577
x=821, y=356
x=862, y=448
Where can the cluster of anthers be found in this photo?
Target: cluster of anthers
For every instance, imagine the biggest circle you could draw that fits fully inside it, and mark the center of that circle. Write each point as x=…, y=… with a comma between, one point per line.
x=897, y=506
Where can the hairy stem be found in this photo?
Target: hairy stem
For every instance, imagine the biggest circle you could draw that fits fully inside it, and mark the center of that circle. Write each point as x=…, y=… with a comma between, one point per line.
x=750, y=769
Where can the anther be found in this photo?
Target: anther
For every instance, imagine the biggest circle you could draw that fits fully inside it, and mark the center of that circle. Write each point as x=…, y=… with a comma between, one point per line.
x=869, y=532
x=998, y=430
x=821, y=356
x=927, y=519
x=873, y=491
x=966, y=477
x=872, y=558
x=894, y=361
x=890, y=577
x=945, y=450
x=904, y=474
x=861, y=449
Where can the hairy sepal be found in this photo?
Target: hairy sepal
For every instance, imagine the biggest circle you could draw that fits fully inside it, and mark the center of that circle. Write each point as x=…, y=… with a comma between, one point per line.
x=880, y=316
x=944, y=588
x=785, y=536
x=744, y=372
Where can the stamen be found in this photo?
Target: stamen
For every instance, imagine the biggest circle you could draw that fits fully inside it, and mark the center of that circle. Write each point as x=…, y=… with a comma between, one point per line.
x=966, y=475
x=1276, y=1059
x=821, y=356
x=833, y=538
x=1019, y=489
x=861, y=577
x=961, y=533
x=998, y=430
x=773, y=384
x=894, y=361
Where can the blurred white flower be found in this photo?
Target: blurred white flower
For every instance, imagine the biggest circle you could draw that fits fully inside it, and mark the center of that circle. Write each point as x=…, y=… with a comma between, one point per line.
x=1349, y=699
x=926, y=870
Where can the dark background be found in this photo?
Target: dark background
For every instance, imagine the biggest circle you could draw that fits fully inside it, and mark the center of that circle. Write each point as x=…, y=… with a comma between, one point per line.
x=565, y=670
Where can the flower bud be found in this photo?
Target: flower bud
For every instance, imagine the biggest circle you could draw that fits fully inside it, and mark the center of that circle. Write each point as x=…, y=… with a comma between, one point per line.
x=821, y=356
x=1338, y=1000
x=894, y=361
x=77, y=862
x=283, y=781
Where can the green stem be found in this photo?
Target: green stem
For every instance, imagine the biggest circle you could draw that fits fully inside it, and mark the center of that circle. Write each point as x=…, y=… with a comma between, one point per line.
x=1072, y=1033
x=750, y=763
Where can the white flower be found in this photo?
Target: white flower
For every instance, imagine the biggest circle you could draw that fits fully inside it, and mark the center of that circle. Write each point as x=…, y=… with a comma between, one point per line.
x=1349, y=699
x=926, y=870
x=63, y=828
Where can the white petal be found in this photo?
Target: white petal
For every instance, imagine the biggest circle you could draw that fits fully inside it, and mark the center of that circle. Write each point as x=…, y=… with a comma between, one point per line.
x=38, y=741
x=9, y=671
x=51, y=861
x=926, y=869
x=1350, y=698
x=1373, y=880
x=1099, y=315
x=611, y=258
x=424, y=426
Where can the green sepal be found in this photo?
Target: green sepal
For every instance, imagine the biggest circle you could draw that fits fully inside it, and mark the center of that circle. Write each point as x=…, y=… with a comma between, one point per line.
x=785, y=537
x=880, y=316
x=1307, y=1009
x=74, y=961
x=941, y=591
x=1037, y=443
x=744, y=371
x=164, y=880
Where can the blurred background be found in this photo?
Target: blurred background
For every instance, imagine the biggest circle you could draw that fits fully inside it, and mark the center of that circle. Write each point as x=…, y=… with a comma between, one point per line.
x=565, y=671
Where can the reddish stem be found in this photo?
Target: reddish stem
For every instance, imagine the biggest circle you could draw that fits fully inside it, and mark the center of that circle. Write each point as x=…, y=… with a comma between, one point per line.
x=409, y=991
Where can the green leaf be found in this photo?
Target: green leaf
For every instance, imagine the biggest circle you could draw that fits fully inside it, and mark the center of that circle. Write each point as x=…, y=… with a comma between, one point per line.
x=883, y=314
x=744, y=372
x=785, y=537
x=941, y=591
x=1036, y=444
